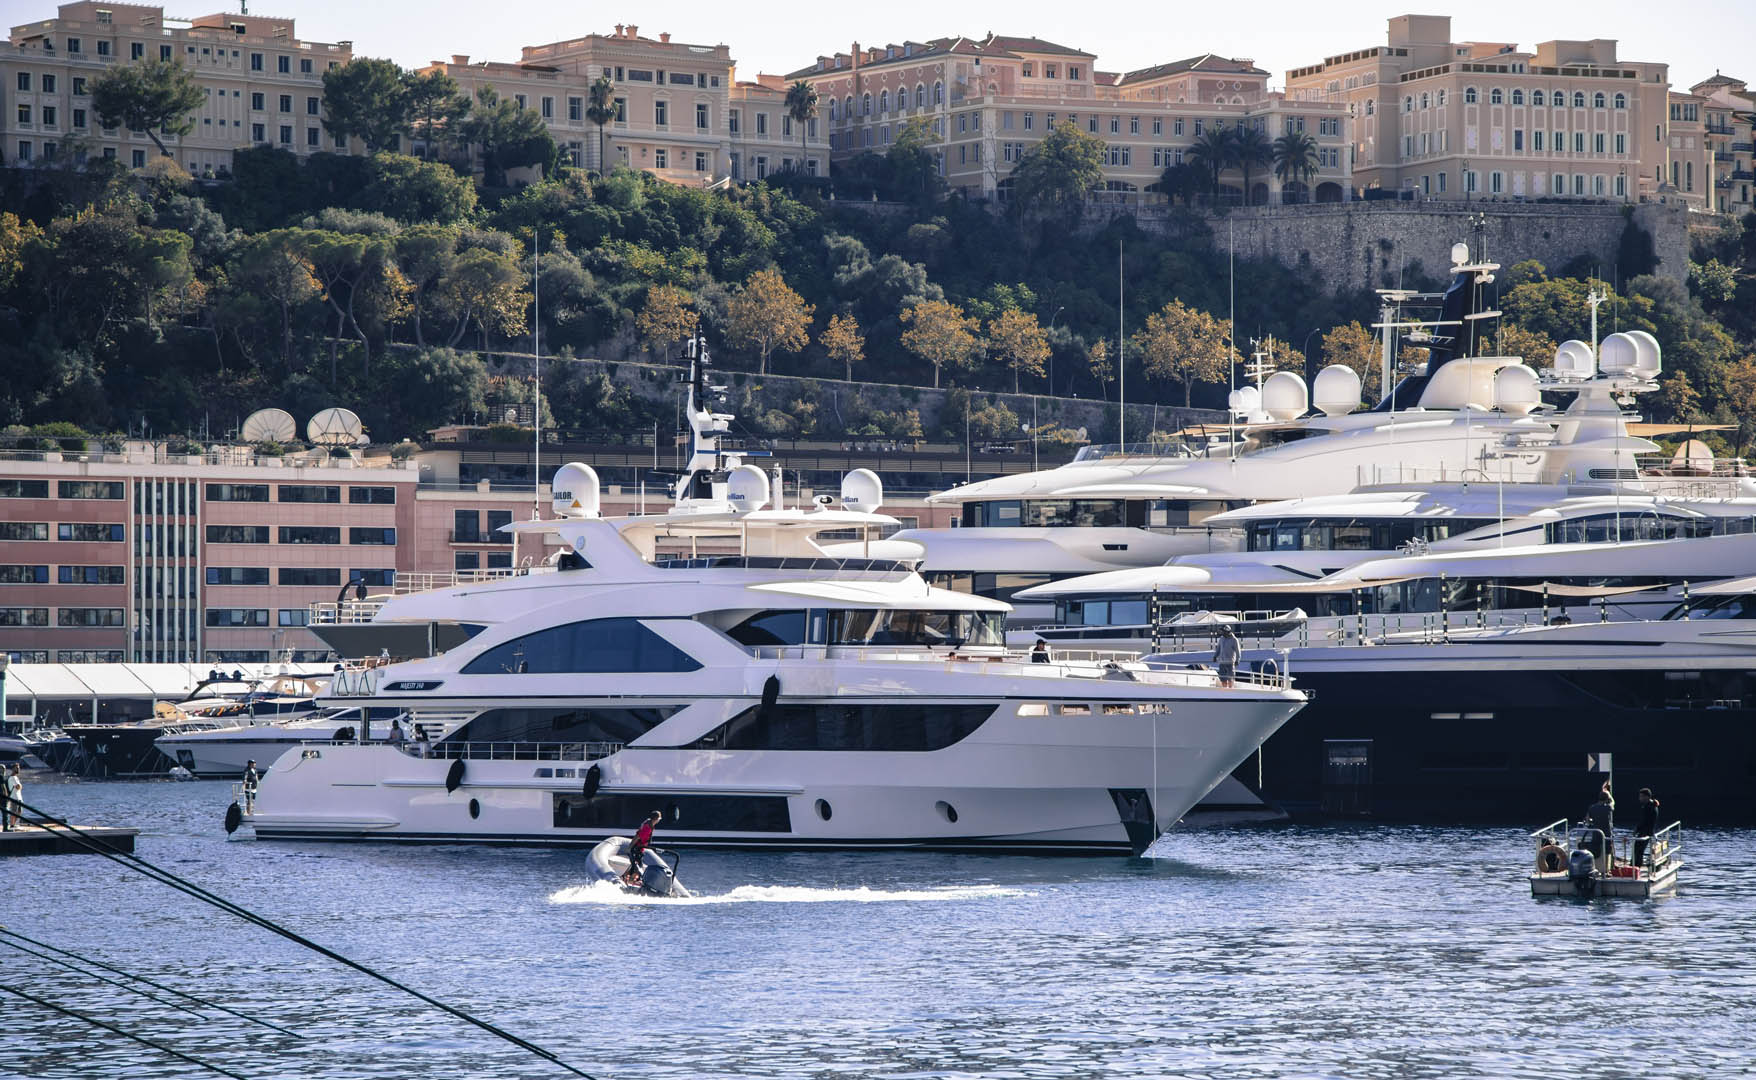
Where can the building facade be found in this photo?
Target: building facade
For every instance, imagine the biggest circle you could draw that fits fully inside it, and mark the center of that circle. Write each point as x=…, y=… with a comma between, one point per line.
x=1691, y=154
x=264, y=86
x=680, y=113
x=140, y=555
x=988, y=101
x=1438, y=118
x=1728, y=115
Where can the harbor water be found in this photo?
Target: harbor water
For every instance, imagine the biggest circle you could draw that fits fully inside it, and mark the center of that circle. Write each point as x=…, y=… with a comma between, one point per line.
x=1355, y=951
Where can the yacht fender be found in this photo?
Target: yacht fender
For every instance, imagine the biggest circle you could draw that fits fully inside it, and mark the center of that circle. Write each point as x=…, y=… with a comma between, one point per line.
x=454, y=776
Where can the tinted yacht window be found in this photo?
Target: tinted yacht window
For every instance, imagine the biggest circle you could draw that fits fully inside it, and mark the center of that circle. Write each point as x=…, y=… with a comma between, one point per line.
x=601, y=645
x=771, y=628
x=839, y=726
x=561, y=725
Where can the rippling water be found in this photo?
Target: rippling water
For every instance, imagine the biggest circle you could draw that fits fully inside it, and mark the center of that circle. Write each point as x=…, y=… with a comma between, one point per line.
x=1260, y=952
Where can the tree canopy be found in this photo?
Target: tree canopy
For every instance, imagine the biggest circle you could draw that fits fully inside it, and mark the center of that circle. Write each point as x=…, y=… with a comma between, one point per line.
x=152, y=96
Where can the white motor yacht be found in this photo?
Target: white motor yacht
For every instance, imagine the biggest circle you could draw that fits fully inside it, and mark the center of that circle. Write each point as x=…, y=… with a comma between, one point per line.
x=212, y=753
x=771, y=697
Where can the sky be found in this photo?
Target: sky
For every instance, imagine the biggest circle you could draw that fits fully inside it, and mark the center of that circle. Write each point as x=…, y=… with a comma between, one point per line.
x=785, y=35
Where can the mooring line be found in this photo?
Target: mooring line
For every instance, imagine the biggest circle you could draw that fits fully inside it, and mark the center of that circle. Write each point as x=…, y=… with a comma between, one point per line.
x=142, y=1039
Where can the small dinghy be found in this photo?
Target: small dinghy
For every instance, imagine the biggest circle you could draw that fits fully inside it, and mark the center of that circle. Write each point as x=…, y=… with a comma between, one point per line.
x=609, y=862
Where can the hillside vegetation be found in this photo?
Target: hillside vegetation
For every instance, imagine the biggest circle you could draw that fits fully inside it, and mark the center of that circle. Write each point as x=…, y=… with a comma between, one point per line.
x=391, y=285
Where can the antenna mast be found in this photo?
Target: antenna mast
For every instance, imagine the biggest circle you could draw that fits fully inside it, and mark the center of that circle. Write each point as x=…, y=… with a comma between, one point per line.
x=536, y=335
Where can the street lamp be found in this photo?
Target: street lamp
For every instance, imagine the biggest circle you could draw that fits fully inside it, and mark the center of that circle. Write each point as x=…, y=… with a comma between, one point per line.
x=1306, y=349
x=1046, y=333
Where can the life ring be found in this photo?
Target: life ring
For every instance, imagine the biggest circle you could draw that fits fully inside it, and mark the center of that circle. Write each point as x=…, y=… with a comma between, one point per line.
x=1550, y=859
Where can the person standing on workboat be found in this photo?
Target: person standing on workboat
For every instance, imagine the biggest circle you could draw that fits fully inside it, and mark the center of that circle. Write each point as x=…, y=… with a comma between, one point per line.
x=1601, y=816
x=14, y=797
x=251, y=779
x=637, y=846
x=1647, y=825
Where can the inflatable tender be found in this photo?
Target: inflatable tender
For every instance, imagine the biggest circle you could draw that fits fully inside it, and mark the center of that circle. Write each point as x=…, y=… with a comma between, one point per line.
x=609, y=862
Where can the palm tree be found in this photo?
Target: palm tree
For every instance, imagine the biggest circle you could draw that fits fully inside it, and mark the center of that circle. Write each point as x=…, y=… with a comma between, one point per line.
x=600, y=109
x=1179, y=181
x=801, y=106
x=1251, y=150
x=1212, y=153
x=1296, y=157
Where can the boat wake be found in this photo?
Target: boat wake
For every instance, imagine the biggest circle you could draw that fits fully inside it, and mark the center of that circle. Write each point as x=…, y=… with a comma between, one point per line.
x=605, y=892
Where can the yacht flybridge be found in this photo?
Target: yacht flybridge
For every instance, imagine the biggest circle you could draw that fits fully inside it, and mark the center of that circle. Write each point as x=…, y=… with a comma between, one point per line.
x=756, y=691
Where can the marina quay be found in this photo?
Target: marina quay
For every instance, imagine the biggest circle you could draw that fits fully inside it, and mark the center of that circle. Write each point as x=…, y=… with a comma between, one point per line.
x=633, y=543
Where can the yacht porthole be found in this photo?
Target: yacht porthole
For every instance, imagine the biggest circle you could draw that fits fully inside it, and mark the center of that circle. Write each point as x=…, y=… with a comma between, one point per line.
x=824, y=811
x=475, y=809
x=946, y=811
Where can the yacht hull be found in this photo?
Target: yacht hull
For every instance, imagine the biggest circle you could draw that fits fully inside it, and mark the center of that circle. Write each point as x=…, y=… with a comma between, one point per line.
x=1496, y=728
x=1055, y=783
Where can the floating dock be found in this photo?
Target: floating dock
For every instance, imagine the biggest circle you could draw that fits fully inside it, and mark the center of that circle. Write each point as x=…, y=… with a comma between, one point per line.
x=30, y=839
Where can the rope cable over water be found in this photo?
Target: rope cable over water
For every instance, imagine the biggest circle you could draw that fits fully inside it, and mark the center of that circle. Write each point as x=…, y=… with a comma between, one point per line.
x=188, y=888
x=143, y=1040
x=5, y=933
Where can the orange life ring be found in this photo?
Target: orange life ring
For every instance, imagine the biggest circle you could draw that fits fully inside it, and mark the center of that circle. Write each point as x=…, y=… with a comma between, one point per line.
x=1544, y=858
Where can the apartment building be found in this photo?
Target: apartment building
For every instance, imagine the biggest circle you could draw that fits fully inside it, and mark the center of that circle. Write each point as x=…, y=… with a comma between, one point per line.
x=140, y=555
x=766, y=139
x=1691, y=154
x=1728, y=114
x=990, y=100
x=264, y=85
x=1457, y=120
x=678, y=108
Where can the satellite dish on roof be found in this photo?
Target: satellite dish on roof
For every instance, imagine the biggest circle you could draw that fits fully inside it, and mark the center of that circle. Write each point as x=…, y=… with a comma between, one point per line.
x=747, y=489
x=269, y=425
x=335, y=427
x=862, y=490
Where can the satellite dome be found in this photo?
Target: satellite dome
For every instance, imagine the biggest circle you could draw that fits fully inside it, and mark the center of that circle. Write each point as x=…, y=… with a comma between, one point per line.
x=747, y=489
x=862, y=490
x=1618, y=355
x=1516, y=390
x=1284, y=396
x=573, y=493
x=1647, y=354
x=1336, y=390
x=1573, y=361
x=1244, y=400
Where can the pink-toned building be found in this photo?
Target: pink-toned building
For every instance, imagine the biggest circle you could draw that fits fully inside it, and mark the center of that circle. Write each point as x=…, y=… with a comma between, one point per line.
x=1728, y=113
x=989, y=100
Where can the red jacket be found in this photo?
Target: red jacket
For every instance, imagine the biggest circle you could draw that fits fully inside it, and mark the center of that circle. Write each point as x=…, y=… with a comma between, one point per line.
x=644, y=836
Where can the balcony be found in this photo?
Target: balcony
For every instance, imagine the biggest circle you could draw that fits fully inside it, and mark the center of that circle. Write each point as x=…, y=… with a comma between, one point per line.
x=1743, y=174
x=1744, y=148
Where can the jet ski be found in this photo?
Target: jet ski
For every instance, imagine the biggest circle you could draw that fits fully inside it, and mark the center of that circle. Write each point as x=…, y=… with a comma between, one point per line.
x=609, y=862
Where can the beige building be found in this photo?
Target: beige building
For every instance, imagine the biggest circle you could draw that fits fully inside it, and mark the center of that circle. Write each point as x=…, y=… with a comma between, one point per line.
x=1457, y=120
x=765, y=137
x=264, y=86
x=990, y=100
x=1691, y=167
x=677, y=106
x=1728, y=114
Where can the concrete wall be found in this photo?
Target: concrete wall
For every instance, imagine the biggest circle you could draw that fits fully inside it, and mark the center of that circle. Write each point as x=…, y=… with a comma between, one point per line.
x=1368, y=245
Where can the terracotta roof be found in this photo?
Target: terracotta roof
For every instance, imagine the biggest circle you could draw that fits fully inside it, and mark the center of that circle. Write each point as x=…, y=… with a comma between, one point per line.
x=1720, y=80
x=992, y=45
x=1204, y=62
x=1030, y=45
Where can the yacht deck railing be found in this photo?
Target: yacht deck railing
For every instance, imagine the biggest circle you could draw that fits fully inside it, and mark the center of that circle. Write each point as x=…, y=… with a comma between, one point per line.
x=1062, y=663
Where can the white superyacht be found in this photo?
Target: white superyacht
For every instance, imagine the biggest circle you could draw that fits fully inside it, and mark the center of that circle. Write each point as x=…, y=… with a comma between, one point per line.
x=775, y=697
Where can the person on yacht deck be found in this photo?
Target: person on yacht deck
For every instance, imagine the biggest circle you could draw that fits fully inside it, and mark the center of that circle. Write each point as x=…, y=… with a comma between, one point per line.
x=251, y=780
x=1225, y=655
x=1039, y=653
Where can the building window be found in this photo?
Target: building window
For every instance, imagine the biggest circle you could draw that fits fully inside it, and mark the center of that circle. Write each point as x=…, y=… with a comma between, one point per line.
x=237, y=575
x=89, y=532
x=283, y=64
x=89, y=489
x=372, y=537
x=310, y=534
x=293, y=617
x=165, y=53
x=309, y=493
x=286, y=134
x=1621, y=144
x=255, y=61
x=326, y=576
x=311, y=106
x=761, y=123
x=1621, y=101
x=701, y=116
x=466, y=560
x=25, y=530
x=372, y=496
x=575, y=109
x=311, y=138
x=1536, y=140
x=1517, y=97
x=90, y=616
x=257, y=102
x=225, y=618
x=548, y=108
x=1579, y=99
x=700, y=161
x=16, y=574
x=1496, y=97
x=137, y=158
x=24, y=616
x=257, y=134
x=1469, y=96
x=1518, y=139
x=661, y=113
x=89, y=575
x=661, y=158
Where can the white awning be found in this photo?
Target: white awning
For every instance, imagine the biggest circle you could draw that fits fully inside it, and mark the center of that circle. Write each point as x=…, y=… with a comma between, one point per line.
x=44, y=681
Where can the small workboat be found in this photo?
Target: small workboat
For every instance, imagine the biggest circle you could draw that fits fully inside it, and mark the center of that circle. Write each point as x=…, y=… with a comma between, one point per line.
x=609, y=862
x=1582, y=861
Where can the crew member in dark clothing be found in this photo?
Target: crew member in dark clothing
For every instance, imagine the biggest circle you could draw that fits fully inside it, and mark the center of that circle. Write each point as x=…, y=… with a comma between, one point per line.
x=638, y=846
x=1601, y=816
x=1039, y=653
x=1647, y=826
